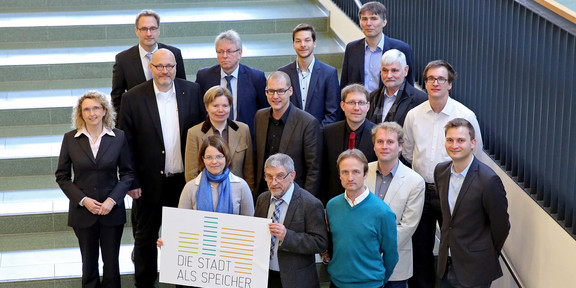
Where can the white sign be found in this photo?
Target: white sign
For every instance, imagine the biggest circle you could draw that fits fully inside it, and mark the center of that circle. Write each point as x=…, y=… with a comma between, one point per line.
x=207, y=249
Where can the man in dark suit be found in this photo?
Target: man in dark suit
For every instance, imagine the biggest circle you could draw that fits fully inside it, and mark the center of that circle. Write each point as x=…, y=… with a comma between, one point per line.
x=354, y=132
x=156, y=116
x=246, y=84
x=474, y=209
x=393, y=101
x=298, y=229
x=132, y=65
x=364, y=54
x=283, y=128
x=316, y=88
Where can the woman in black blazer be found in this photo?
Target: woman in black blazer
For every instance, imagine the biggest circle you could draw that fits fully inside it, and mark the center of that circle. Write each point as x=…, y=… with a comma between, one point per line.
x=100, y=158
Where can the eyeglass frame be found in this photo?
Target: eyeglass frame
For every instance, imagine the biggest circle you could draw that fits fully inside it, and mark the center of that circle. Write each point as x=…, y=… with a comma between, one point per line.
x=227, y=52
x=168, y=68
x=93, y=109
x=354, y=103
x=278, y=179
x=146, y=29
x=217, y=157
x=431, y=80
x=271, y=92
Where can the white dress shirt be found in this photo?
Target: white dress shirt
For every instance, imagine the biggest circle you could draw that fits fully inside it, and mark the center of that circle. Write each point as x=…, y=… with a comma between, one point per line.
x=168, y=110
x=283, y=209
x=234, y=85
x=146, y=61
x=424, y=140
x=304, y=78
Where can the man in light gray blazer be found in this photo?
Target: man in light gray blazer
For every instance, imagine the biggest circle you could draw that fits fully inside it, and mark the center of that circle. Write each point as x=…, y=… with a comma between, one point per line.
x=299, y=230
x=401, y=188
x=283, y=128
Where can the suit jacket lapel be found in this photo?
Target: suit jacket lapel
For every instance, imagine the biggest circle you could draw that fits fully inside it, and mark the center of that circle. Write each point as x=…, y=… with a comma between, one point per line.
x=316, y=73
x=294, y=203
x=85, y=146
x=289, y=127
x=395, y=185
x=233, y=140
x=150, y=101
x=296, y=95
x=472, y=173
x=104, y=145
x=137, y=65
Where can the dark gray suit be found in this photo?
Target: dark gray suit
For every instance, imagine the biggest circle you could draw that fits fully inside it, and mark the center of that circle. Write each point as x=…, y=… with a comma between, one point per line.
x=301, y=140
x=306, y=235
x=476, y=230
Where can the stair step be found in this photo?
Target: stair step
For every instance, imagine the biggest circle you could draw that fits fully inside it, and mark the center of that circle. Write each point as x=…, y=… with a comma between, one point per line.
x=196, y=19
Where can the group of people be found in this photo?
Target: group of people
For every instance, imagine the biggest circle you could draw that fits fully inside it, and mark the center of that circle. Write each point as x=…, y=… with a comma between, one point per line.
x=358, y=170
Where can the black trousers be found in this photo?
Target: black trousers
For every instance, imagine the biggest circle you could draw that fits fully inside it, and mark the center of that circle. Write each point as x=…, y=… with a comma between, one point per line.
x=148, y=218
x=107, y=239
x=423, y=242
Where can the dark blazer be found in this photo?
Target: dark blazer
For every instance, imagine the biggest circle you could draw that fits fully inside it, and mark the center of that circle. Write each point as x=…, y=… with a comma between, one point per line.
x=410, y=98
x=128, y=71
x=140, y=120
x=95, y=178
x=323, y=92
x=332, y=147
x=306, y=235
x=301, y=140
x=251, y=90
x=353, y=63
x=478, y=227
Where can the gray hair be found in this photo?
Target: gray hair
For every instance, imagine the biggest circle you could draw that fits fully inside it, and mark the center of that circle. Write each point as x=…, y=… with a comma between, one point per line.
x=230, y=36
x=393, y=55
x=280, y=160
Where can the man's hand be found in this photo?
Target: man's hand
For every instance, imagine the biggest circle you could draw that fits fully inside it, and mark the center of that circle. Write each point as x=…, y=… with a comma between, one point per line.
x=135, y=193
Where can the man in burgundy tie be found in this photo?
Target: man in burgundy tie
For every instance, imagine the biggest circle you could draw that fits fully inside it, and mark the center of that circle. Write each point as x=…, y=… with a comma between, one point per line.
x=353, y=132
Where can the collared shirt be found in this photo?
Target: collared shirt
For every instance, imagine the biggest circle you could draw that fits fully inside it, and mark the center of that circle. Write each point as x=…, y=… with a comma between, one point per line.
x=223, y=134
x=283, y=208
x=358, y=137
x=358, y=199
x=94, y=143
x=383, y=181
x=275, y=130
x=372, y=65
x=424, y=141
x=456, y=180
x=146, y=61
x=304, y=78
x=388, y=101
x=234, y=85
x=168, y=109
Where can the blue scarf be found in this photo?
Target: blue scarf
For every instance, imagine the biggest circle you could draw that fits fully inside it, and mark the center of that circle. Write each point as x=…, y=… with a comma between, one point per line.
x=204, y=199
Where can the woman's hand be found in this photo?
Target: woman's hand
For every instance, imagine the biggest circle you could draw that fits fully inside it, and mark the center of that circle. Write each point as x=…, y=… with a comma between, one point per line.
x=92, y=205
x=106, y=207
x=159, y=242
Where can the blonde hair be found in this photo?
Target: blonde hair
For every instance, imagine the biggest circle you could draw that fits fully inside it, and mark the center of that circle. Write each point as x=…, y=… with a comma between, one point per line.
x=109, y=119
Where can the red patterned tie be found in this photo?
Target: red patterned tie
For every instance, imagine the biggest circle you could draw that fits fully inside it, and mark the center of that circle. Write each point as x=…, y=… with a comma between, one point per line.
x=351, y=140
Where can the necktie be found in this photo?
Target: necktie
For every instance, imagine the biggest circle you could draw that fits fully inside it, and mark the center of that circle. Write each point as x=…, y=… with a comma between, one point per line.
x=149, y=57
x=352, y=140
x=275, y=219
x=229, y=87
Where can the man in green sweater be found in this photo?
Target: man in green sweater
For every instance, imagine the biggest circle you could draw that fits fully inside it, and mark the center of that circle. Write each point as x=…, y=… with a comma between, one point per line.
x=363, y=230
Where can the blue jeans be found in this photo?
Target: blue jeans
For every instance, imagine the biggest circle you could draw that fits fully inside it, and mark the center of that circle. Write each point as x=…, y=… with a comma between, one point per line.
x=396, y=284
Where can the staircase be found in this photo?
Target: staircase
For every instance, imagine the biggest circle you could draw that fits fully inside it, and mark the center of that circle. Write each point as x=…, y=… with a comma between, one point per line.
x=52, y=52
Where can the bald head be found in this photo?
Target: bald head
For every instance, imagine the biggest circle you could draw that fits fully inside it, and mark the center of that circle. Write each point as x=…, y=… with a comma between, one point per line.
x=163, y=67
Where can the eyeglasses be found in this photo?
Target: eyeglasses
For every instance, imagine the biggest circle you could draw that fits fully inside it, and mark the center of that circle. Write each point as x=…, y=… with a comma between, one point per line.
x=161, y=67
x=210, y=158
x=281, y=92
x=93, y=109
x=146, y=29
x=278, y=178
x=430, y=80
x=354, y=103
x=229, y=52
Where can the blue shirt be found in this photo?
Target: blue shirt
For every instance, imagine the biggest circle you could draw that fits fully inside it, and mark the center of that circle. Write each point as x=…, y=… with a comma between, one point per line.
x=372, y=65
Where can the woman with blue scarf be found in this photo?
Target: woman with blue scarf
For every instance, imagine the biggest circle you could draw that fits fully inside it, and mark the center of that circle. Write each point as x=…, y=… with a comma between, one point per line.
x=216, y=189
